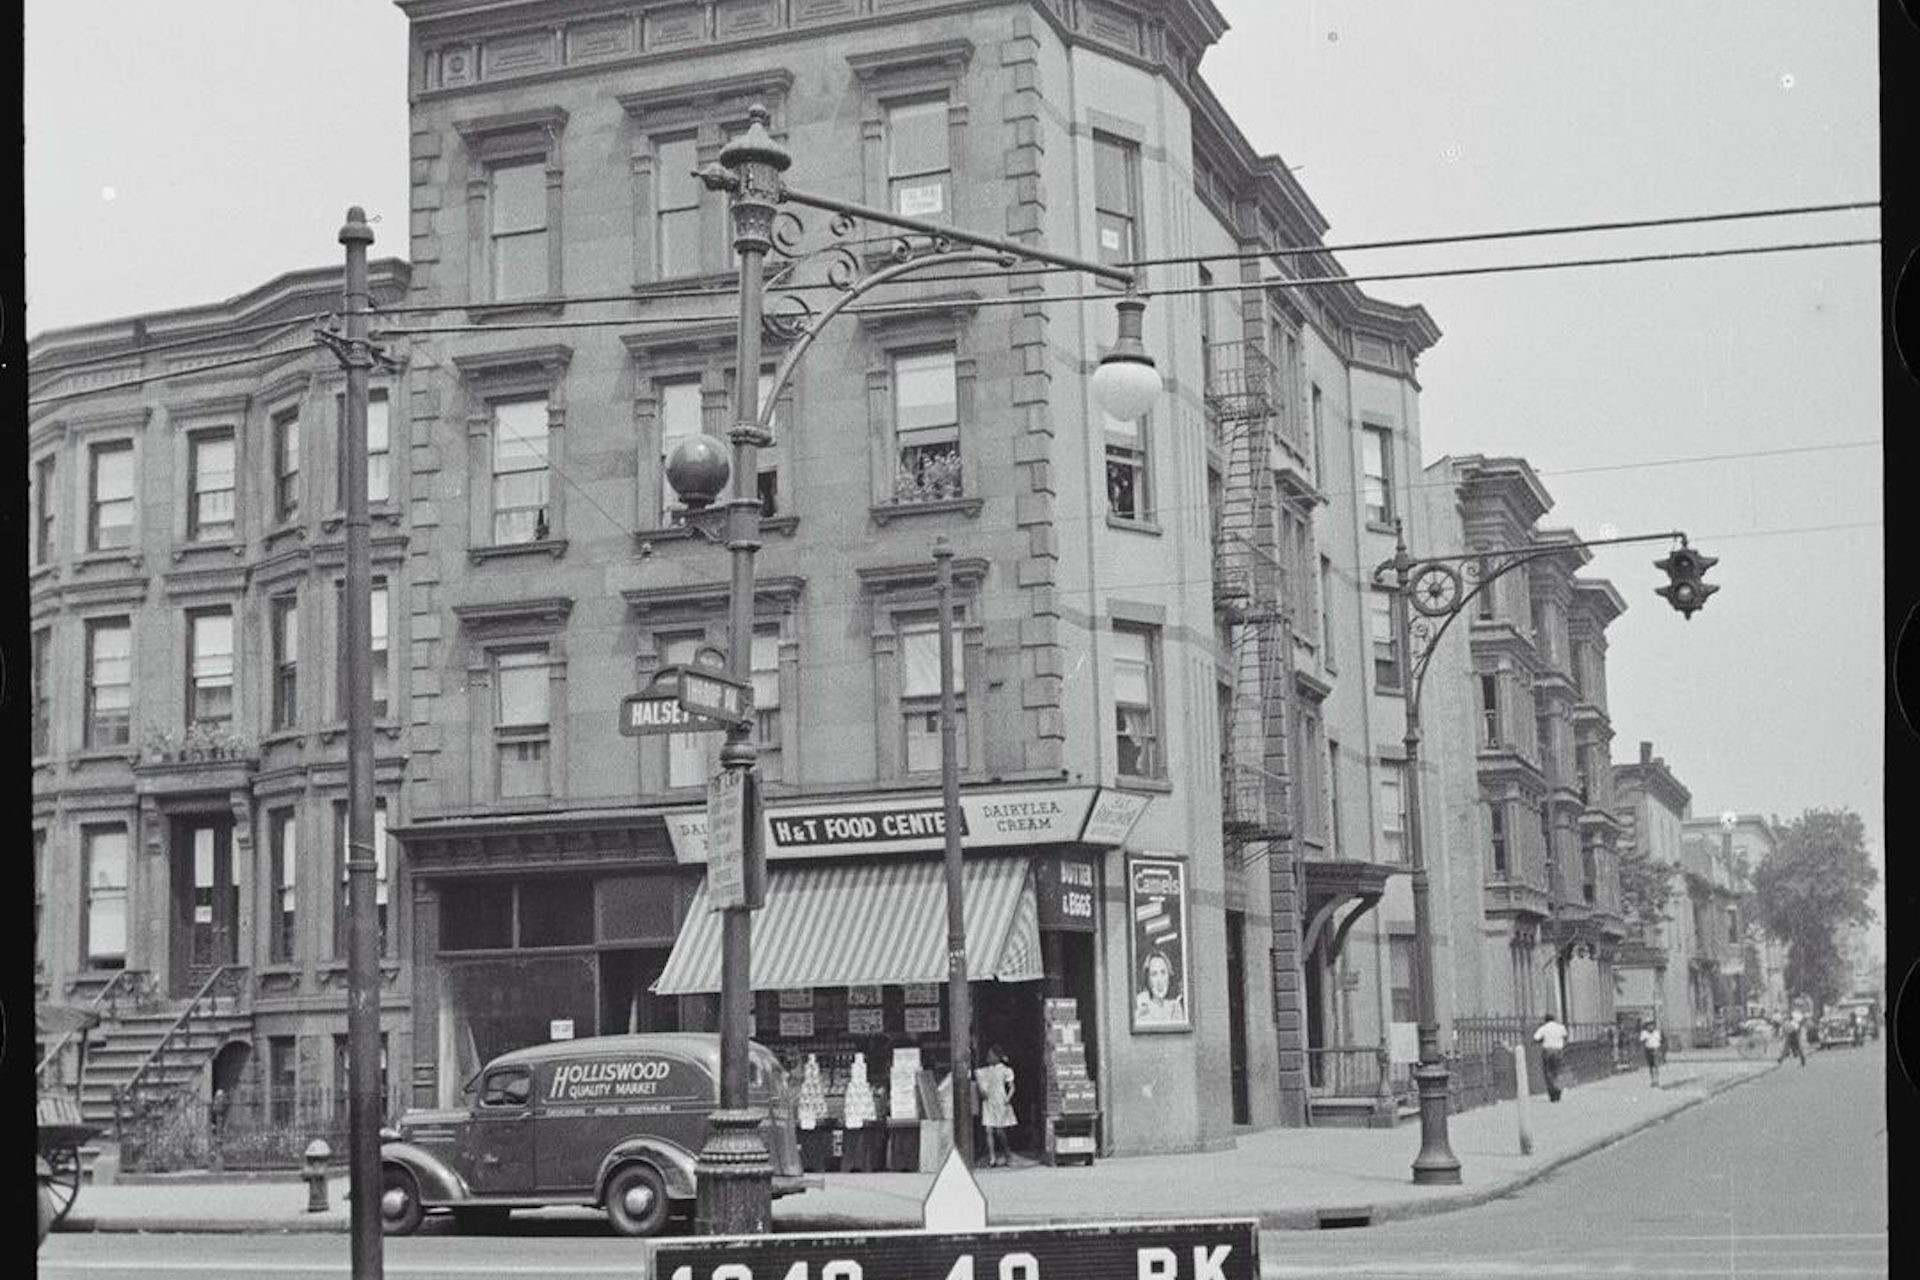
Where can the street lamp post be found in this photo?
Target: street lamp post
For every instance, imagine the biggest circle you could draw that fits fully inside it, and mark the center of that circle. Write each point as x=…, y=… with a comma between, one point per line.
x=734, y=1170
x=1439, y=593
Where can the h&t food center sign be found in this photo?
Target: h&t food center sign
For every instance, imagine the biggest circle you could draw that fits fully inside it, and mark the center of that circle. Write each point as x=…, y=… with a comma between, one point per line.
x=1225, y=1250
x=912, y=824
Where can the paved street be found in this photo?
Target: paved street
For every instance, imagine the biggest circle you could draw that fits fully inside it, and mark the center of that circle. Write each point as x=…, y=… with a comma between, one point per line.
x=1785, y=1175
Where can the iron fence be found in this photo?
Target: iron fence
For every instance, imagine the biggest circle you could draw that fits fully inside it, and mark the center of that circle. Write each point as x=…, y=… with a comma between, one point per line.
x=249, y=1128
x=1357, y=1071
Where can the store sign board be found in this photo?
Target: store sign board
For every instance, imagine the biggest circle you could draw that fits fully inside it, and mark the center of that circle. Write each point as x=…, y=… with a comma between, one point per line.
x=1227, y=1249
x=1064, y=893
x=914, y=824
x=1112, y=818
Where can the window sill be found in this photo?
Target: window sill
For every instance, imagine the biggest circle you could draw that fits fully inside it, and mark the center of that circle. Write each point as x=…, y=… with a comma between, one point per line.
x=338, y=729
x=210, y=547
x=378, y=513
x=555, y=547
x=1127, y=782
x=706, y=527
x=282, y=737
x=886, y=512
x=1131, y=525
x=690, y=280
x=515, y=309
x=1380, y=526
x=42, y=575
x=86, y=755
x=127, y=556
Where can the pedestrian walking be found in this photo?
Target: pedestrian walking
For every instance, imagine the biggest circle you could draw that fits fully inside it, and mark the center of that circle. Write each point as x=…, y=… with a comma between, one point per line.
x=1792, y=1044
x=1650, y=1043
x=1552, y=1035
x=995, y=1082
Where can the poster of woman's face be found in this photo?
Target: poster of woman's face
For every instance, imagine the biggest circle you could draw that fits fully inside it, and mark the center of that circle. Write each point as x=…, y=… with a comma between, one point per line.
x=1157, y=905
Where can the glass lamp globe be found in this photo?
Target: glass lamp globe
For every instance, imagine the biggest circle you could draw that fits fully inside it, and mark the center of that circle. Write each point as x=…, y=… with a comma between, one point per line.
x=698, y=468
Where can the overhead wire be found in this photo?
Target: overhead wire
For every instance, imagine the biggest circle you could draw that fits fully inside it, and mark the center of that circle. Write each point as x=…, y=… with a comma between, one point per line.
x=226, y=333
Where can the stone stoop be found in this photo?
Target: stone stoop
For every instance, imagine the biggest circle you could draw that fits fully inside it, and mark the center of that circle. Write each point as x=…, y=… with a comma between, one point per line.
x=118, y=1046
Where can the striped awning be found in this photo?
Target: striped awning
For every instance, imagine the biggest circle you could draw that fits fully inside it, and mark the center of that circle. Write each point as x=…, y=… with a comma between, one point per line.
x=866, y=924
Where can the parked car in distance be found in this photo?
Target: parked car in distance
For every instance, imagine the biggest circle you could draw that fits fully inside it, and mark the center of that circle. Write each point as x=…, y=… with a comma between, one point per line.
x=614, y=1122
x=1836, y=1029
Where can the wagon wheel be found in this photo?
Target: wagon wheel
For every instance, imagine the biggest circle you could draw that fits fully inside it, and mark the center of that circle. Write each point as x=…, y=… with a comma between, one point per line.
x=64, y=1183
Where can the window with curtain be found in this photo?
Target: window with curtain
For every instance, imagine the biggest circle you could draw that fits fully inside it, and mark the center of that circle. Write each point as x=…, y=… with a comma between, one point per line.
x=920, y=692
x=109, y=692
x=766, y=698
x=521, y=722
x=1128, y=496
x=681, y=416
x=1401, y=958
x=286, y=465
x=382, y=874
x=1135, y=703
x=1393, y=811
x=1386, y=648
x=919, y=170
x=517, y=232
x=692, y=758
x=1497, y=837
x=676, y=206
x=210, y=666
x=379, y=676
x=210, y=485
x=285, y=612
x=1376, y=475
x=520, y=466
x=104, y=850
x=1116, y=198
x=110, y=496
x=926, y=427
x=282, y=915
x=44, y=499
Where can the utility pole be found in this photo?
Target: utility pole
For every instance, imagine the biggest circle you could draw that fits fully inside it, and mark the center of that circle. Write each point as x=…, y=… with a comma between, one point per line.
x=363, y=972
x=959, y=995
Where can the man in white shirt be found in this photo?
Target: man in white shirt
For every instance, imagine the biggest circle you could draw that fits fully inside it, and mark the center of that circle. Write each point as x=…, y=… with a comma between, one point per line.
x=1552, y=1035
x=1650, y=1042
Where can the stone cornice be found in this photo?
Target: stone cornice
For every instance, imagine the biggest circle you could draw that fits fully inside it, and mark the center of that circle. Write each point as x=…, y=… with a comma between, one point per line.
x=968, y=573
x=547, y=613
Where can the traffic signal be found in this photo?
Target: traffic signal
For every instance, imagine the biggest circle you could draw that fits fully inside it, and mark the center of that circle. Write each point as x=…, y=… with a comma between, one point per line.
x=1685, y=591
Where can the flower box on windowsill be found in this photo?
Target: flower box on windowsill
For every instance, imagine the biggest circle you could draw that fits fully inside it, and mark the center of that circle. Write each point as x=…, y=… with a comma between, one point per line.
x=555, y=547
x=385, y=726
x=884, y=512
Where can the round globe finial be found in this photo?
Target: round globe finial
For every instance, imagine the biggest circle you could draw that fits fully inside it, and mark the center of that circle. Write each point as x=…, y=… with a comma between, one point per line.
x=698, y=469
x=1729, y=820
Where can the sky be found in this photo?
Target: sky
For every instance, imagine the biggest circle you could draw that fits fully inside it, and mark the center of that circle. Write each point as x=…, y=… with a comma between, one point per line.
x=182, y=153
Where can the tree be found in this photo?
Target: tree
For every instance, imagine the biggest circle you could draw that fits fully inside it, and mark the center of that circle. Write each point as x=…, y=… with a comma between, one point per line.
x=1646, y=884
x=1813, y=883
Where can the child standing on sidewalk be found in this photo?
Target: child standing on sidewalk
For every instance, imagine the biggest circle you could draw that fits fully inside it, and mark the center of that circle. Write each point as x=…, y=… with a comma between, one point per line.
x=1650, y=1041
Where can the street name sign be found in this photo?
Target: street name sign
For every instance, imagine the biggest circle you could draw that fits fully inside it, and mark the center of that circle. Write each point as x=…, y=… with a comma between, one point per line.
x=1213, y=1250
x=715, y=695
x=659, y=711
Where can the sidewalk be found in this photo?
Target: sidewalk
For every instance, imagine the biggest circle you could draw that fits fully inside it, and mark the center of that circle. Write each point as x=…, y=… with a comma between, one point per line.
x=1287, y=1178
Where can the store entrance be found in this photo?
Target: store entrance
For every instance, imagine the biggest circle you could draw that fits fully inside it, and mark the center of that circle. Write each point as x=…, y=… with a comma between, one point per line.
x=1008, y=1014
x=626, y=1004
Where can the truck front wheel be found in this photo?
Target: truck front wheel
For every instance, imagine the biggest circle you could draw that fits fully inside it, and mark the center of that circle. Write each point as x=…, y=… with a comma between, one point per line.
x=400, y=1208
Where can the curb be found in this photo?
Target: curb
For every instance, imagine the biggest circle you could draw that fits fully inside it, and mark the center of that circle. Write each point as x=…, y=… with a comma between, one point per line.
x=1298, y=1218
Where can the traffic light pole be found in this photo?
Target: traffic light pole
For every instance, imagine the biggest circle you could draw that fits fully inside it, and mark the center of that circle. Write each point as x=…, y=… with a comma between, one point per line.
x=1433, y=588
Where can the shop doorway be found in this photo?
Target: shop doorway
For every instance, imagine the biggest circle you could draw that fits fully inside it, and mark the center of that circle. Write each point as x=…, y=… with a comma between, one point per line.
x=1237, y=1017
x=1008, y=1014
x=205, y=901
x=626, y=1003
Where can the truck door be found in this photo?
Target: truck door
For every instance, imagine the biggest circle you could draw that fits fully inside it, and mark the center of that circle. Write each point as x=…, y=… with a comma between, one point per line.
x=502, y=1133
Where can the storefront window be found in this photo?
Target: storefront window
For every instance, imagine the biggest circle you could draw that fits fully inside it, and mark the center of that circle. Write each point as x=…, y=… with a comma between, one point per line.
x=556, y=913
x=476, y=916
x=496, y=1006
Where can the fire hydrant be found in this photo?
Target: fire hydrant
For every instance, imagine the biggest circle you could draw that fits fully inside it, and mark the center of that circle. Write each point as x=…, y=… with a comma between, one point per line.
x=314, y=1171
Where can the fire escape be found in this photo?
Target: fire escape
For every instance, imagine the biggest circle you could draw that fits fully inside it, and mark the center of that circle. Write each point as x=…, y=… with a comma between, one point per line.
x=1244, y=407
